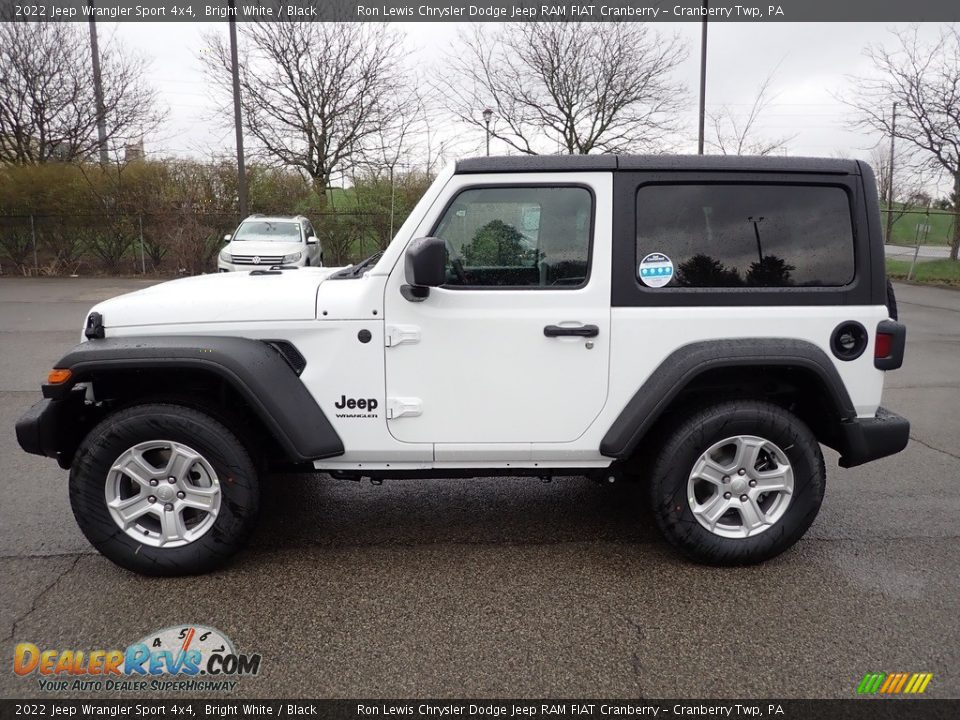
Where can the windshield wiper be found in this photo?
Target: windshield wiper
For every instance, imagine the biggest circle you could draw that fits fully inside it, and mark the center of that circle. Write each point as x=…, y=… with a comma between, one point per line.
x=357, y=270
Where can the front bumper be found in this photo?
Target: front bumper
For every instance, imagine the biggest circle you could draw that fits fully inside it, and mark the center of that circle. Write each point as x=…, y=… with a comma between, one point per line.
x=36, y=429
x=52, y=427
x=246, y=267
x=867, y=439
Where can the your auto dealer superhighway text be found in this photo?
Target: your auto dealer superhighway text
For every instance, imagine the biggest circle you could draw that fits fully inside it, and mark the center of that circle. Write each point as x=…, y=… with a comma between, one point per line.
x=547, y=11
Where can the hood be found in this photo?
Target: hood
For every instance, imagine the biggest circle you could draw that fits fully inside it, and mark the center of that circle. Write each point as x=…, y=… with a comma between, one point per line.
x=218, y=298
x=263, y=248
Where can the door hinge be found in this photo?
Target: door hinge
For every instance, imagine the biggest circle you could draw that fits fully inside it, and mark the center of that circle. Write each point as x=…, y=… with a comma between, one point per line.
x=400, y=407
x=399, y=334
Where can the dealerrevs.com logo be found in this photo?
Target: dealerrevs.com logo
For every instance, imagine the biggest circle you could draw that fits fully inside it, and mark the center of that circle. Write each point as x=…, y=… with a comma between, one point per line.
x=178, y=658
x=894, y=683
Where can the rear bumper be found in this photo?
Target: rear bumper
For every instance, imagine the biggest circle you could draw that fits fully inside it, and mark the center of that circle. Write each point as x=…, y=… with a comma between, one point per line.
x=868, y=439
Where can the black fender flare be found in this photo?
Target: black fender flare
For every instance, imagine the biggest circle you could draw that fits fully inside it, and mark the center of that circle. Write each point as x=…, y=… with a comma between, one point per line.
x=255, y=369
x=683, y=365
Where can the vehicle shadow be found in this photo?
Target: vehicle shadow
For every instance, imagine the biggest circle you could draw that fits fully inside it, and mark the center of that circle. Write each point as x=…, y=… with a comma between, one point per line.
x=317, y=510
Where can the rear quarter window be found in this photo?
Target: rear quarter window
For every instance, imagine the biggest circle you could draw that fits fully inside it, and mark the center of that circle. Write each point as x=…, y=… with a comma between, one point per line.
x=747, y=235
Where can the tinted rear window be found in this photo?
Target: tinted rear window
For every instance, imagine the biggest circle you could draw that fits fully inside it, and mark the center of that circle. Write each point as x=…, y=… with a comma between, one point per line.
x=747, y=235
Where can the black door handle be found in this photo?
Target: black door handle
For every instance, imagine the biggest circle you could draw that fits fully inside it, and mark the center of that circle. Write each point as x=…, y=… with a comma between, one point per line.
x=578, y=331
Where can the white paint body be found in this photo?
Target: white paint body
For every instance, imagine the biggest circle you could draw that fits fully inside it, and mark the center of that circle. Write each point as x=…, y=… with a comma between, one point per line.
x=467, y=379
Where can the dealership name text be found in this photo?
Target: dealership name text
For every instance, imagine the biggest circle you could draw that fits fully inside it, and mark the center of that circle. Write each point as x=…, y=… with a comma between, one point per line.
x=573, y=709
x=573, y=11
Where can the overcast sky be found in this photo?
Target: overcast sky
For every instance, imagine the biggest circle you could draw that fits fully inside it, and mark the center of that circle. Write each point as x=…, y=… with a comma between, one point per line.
x=814, y=60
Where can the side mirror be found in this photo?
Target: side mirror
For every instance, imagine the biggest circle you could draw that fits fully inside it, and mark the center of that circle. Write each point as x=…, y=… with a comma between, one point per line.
x=226, y=238
x=311, y=241
x=425, y=266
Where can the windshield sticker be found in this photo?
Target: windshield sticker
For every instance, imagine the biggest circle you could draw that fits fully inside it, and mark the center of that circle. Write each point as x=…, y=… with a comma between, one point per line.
x=656, y=270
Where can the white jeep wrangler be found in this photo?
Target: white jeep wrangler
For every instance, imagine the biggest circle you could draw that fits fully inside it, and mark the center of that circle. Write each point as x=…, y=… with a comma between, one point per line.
x=701, y=324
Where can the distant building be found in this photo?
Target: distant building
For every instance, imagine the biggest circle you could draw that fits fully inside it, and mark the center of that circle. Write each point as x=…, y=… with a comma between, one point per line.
x=133, y=151
x=61, y=151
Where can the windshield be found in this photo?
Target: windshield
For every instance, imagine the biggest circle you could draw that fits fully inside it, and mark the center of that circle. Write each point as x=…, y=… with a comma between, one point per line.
x=269, y=231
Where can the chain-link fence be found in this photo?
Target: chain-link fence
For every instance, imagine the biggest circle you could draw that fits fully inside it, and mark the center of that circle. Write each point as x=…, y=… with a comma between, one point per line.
x=178, y=242
x=918, y=226
x=169, y=243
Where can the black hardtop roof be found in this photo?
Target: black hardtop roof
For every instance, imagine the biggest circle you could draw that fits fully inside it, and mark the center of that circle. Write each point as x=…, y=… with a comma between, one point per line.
x=663, y=163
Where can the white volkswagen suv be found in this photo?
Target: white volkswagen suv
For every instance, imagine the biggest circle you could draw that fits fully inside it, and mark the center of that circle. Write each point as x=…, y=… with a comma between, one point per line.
x=269, y=241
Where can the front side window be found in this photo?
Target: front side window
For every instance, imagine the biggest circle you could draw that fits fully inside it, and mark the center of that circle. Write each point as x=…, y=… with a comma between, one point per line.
x=717, y=236
x=268, y=230
x=518, y=237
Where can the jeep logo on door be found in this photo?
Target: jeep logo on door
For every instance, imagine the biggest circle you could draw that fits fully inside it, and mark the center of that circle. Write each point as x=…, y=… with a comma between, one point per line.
x=366, y=406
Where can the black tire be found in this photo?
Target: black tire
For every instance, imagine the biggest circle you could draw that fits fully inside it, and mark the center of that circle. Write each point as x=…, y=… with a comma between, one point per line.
x=689, y=438
x=892, y=301
x=238, y=482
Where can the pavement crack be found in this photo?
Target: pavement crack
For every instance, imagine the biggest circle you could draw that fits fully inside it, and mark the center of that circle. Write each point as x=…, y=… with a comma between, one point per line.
x=37, y=597
x=636, y=660
x=46, y=555
x=925, y=306
x=925, y=386
x=934, y=447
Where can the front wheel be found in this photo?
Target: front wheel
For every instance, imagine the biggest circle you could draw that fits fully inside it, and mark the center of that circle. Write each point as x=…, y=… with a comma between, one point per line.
x=164, y=490
x=737, y=483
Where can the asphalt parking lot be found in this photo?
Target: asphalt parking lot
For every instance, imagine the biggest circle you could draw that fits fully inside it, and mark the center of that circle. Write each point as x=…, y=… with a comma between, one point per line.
x=511, y=587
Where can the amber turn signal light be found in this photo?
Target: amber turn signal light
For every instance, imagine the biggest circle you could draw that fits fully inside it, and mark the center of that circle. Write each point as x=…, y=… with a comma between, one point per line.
x=58, y=376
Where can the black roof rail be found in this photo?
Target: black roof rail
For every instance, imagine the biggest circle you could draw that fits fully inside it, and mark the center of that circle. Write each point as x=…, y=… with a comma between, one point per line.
x=663, y=163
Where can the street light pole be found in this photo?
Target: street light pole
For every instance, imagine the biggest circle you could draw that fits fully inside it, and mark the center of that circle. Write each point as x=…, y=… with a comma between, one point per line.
x=393, y=194
x=756, y=231
x=237, y=117
x=98, y=89
x=703, y=76
x=487, y=117
x=889, y=188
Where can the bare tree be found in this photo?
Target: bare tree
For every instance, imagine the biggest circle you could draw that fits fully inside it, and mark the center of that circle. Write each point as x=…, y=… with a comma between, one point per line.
x=392, y=149
x=924, y=80
x=47, y=107
x=736, y=135
x=579, y=87
x=315, y=96
x=393, y=144
x=911, y=181
x=436, y=151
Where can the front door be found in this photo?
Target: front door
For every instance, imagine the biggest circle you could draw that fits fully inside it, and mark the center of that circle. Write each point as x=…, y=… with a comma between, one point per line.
x=514, y=349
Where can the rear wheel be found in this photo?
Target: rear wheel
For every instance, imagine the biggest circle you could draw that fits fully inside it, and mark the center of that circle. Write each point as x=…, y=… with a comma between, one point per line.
x=737, y=483
x=164, y=489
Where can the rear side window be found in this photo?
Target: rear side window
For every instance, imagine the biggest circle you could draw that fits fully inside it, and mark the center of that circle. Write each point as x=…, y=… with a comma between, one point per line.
x=518, y=237
x=716, y=236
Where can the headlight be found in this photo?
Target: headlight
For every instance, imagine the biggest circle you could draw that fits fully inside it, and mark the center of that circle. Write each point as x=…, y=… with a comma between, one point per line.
x=293, y=257
x=226, y=257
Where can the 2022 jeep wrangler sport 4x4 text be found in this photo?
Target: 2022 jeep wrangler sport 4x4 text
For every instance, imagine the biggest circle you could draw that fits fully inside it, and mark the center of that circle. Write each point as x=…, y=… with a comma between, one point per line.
x=701, y=324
